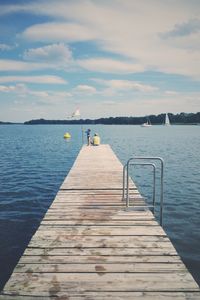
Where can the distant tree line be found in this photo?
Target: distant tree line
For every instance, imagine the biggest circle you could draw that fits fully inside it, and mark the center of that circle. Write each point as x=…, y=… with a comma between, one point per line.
x=7, y=123
x=182, y=118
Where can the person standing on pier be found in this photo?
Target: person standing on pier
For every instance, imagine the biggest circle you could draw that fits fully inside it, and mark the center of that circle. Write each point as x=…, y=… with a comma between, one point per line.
x=88, y=136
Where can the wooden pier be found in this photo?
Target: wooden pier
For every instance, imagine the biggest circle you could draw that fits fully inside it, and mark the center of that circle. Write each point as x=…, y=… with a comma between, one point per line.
x=88, y=246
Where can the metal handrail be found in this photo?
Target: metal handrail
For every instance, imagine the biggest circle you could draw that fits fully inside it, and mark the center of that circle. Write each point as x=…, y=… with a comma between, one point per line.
x=126, y=182
x=154, y=181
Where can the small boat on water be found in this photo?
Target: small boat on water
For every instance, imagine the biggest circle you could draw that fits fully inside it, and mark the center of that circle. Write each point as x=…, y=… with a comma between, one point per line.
x=146, y=124
x=167, y=121
x=76, y=114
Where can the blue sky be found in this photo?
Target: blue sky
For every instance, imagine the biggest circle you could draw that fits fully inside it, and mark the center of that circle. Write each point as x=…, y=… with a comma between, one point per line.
x=107, y=58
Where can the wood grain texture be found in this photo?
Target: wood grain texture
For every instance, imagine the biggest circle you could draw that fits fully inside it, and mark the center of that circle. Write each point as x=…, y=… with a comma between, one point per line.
x=111, y=296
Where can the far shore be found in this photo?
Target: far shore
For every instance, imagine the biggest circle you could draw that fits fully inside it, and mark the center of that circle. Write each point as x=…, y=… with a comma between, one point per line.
x=175, y=119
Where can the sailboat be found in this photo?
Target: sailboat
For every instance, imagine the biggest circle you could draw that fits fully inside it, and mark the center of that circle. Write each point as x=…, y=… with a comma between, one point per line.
x=147, y=123
x=167, y=121
x=76, y=114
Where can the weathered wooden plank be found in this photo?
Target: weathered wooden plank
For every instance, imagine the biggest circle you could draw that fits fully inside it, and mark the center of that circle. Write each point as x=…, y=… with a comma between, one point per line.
x=112, y=214
x=76, y=203
x=59, y=256
x=94, y=192
x=62, y=201
x=59, y=283
x=97, y=193
x=59, y=232
x=56, y=222
x=78, y=248
x=96, y=183
x=111, y=296
x=102, y=215
x=100, y=268
x=105, y=201
x=99, y=217
x=91, y=219
x=101, y=242
x=70, y=206
x=115, y=200
x=94, y=207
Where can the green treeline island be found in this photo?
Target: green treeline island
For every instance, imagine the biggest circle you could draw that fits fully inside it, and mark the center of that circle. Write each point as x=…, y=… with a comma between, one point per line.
x=179, y=119
x=182, y=118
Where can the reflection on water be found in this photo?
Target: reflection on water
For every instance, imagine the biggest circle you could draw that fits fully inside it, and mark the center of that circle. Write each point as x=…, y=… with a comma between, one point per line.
x=35, y=159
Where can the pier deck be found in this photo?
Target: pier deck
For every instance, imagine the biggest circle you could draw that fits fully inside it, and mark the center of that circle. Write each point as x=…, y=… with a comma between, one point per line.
x=88, y=246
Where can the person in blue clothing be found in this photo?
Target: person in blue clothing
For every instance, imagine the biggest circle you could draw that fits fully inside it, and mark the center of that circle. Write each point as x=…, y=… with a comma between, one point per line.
x=88, y=136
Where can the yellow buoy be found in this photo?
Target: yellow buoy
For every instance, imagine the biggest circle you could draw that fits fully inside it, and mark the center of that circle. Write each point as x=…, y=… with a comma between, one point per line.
x=67, y=135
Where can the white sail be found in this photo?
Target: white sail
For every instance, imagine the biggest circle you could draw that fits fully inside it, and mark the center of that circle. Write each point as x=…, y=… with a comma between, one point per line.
x=76, y=114
x=147, y=124
x=167, y=122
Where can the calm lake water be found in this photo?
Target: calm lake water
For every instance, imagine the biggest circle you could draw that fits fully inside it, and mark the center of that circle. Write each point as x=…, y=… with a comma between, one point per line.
x=35, y=159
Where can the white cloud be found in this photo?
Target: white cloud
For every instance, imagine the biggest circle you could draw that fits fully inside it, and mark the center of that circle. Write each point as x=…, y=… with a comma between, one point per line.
x=18, y=88
x=134, y=31
x=39, y=94
x=140, y=106
x=9, y=9
x=171, y=93
x=53, y=56
x=62, y=94
x=85, y=89
x=21, y=90
x=109, y=102
x=109, y=65
x=4, y=88
x=187, y=102
x=54, y=53
x=44, y=79
x=131, y=85
x=183, y=29
x=56, y=31
x=23, y=66
x=6, y=47
x=116, y=85
x=18, y=65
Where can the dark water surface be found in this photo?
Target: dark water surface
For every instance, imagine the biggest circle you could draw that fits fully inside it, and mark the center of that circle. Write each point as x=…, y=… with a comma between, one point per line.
x=35, y=159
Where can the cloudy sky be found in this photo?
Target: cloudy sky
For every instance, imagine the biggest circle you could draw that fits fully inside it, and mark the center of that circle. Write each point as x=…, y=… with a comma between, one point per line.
x=107, y=58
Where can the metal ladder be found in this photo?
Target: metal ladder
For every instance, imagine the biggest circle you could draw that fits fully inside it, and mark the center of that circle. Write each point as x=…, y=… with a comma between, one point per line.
x=126, y=190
